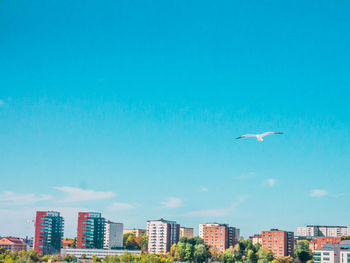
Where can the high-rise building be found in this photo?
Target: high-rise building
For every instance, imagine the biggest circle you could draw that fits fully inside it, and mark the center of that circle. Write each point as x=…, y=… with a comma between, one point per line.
x=91, y=230
x=201, y=228
x=186, y=232
x=313, y=231
x=216, y=236
x=113, y=235
x=136, y=231
x=48, y=232
x=208, y=232
x=281, y=243
x=162, y=234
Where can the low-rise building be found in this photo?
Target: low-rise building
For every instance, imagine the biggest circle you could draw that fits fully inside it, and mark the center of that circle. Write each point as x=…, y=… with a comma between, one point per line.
x=256, y=239
x=333, y=253
x=13, y=243
x=319, y=242
x=82, y=253
x=136, y=231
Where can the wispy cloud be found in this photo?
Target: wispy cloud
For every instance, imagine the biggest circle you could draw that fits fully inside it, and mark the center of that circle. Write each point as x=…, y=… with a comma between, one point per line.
x=172, y=202
x=217, y=212
x=203, y=189
x=74, y=194
x=318, y=193
x=2, y=102
x=271, y=182
x=17, y=199
x=120, y=206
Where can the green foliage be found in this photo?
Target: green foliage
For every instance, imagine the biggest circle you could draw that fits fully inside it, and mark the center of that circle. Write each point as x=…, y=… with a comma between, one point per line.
x=302, y=251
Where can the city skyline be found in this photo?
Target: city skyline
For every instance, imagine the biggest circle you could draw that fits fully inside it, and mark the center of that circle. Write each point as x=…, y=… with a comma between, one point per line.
x=131, y=109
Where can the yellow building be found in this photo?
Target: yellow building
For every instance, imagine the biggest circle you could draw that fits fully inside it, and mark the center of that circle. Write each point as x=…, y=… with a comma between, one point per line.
x=186, y=232
x=136, y=231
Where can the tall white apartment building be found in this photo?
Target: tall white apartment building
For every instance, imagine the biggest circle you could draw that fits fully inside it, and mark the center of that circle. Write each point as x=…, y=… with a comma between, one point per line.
x=313, y=231
x=201, y=228
x=113, y=235
x=162, y=234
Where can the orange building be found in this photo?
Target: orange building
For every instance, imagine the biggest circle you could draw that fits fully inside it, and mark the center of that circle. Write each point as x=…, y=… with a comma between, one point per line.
x=281, y=243
x=13, y=243
x=66, y=243
x=318, y=242
x=216, y=236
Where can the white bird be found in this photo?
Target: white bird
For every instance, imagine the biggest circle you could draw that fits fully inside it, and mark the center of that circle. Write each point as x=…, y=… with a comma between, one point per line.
x=258, y=136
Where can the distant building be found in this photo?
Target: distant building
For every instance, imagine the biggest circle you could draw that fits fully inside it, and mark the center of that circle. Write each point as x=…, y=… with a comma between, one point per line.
x=48, y=232
x=319, y=242
x=13, y=243
x=162, y=234
x=136, y=231
x=281, y=243
x=313, y=231
x=113, y=235
x=256, y=239
x=67, y=242
x=186, y=232
x=233, y=236
x=91, y=230
x=216, y=236
x=100, y=253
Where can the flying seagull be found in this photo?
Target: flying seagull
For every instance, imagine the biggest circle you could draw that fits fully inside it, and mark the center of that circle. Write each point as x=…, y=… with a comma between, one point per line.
x=258, y=136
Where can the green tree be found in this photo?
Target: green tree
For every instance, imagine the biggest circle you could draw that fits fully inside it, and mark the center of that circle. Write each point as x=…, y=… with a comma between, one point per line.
x=180, y=251
x=188, y=252
x=252, y=256
x=265, y=255
x=200, y=253
x=302, y=251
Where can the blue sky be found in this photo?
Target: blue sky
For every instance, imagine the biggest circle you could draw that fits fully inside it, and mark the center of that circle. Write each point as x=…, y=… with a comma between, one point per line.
x=130, y=108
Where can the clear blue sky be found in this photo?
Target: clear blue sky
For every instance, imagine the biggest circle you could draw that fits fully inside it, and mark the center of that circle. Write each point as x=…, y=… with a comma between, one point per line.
x=130, y=108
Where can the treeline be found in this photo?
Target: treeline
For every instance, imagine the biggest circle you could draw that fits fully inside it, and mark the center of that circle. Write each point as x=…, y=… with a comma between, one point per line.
x=186, y=250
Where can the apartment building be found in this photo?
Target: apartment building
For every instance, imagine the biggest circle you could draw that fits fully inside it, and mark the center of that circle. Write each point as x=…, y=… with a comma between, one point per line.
x=91, y=230
x=256, y=239
x=136, y=231
x=162, y=234
x=333, y=253
x=216, y=236
x=280, y=242
x=48, y=232
x=186, y=232
x=113, y=235
x=319, y=242
x=313, y=231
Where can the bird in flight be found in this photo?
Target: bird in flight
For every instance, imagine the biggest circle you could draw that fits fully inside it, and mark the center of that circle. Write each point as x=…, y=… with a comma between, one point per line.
x=258, y=136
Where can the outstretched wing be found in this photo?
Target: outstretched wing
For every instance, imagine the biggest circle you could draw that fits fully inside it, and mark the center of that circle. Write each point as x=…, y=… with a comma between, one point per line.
x=247, y=135
x=268, y=133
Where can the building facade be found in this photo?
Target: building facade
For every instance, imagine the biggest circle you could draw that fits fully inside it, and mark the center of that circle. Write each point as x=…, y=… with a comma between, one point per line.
x=281, y=243
x=216, y=236
x=13, y=243
x=313, y=231
x=319, y=242
x=100, y=253
x=186, y=232
x=256, y=239
x=136, y=231
x=113, y=235
x=333, y=253
x=201, y=228
x=162, y=234
x=48, y=232
x=91, y=230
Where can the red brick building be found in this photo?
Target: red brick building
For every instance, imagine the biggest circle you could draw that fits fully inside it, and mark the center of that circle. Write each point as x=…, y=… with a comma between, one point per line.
x=13, y=243
x=318, y=242
x=216, y=236
x=281, y=243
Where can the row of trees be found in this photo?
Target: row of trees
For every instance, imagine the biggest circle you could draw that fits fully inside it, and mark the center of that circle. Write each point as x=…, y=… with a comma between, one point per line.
x=189, y=250
x=132, y=242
